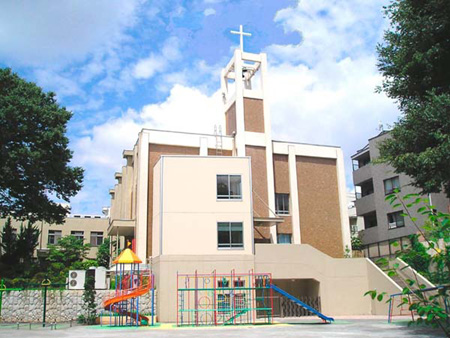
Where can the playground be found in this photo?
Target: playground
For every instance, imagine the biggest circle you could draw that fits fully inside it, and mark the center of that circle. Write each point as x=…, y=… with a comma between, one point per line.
x=370, y=326
x=229, y=304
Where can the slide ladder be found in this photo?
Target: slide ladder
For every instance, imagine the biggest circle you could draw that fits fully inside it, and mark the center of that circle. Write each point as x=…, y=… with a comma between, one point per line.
x=232, y=318
x=299, y=302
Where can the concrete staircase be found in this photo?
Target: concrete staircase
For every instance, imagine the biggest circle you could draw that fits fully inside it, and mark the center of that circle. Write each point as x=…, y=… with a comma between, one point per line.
x=404, y=272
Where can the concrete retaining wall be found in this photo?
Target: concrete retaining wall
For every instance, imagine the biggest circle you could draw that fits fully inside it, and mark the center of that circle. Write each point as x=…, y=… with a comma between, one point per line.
x=62, y=305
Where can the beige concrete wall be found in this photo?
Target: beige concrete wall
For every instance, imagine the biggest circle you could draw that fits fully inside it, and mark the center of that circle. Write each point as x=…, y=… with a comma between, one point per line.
x=343, y=282
x=155, y=153
x=123, y=204
x=71, y=224
x=378, y=280
x=156, y=209
x=190, y=210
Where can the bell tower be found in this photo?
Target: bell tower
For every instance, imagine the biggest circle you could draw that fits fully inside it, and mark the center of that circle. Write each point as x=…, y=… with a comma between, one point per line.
x=247, y=116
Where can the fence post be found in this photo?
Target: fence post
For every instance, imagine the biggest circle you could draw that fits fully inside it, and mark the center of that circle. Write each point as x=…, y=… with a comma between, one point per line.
x=45, y=283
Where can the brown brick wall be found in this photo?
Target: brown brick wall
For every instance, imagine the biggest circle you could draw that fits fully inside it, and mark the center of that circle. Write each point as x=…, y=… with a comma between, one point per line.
x=318, y=196
x=230, y=119
x=281, y=173
x=254, y=115
x=286, y=226
x=155, y=152
x=261, y=234
x=281, y=177
x=259, y=179
x=212, y=152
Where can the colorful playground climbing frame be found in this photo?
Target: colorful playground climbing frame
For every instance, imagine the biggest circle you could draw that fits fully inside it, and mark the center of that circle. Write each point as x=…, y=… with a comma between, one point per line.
x=224, y=299
x=131, y=283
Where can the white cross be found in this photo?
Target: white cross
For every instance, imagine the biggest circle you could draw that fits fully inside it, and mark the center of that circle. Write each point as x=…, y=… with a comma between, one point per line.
x=241, y=33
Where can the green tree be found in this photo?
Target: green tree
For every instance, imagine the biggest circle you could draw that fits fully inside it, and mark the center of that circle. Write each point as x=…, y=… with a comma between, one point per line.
x=89, y=305
x=34, y=152
x=414, y=63
x=436, y=233
x=68, y=252
x=27, y=241
x=9, y=244
x=103, y=253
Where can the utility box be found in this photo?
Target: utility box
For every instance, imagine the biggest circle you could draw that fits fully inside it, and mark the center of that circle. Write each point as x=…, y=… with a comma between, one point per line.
x=76, y=279
x=100, y=278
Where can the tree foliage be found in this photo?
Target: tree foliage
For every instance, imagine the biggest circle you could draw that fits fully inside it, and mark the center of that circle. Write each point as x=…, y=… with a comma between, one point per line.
x=9, y=243
x=67, y=253
x=429, y=305
x=89, y=305
x=414, y=62
x=34, y=152
x=103, y=253
x=27, y=241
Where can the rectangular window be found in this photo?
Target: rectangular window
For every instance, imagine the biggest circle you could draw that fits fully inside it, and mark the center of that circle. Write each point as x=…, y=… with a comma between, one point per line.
x=282, y=204
x=396, y=220
x=239, y=283
x=96, y=238
x=229, y=187
x=54, y=236
x=284, y=238
x=230, y=235
x=223, y=302
x=78, y=234
x=391, y=184
x=370, y=220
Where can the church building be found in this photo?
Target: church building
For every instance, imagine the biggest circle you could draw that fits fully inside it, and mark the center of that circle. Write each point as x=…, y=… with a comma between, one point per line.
x=243, y=201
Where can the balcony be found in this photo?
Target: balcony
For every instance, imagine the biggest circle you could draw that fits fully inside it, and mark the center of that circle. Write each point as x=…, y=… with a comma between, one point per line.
x=121, y=227
x=365, y=204
x=362, y=174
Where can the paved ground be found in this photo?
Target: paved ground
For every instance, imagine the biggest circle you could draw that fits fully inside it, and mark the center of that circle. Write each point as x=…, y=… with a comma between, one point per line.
x=343, y=327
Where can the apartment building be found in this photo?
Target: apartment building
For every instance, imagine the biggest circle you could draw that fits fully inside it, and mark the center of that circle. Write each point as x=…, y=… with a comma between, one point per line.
x=384, y=224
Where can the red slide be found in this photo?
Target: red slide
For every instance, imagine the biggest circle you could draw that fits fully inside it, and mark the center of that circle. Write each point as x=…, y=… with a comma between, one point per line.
x=111, y=303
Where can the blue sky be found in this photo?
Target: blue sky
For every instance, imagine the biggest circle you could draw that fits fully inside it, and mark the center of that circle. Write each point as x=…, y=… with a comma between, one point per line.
x=124, y=65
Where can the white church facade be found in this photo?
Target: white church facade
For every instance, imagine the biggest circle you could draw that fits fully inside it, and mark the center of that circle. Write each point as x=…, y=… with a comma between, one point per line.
x=243, y=201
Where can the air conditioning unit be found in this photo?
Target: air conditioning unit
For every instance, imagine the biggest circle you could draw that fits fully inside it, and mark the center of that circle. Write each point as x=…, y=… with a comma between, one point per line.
x=100, y=278
x=392, y=225
x=76, y=279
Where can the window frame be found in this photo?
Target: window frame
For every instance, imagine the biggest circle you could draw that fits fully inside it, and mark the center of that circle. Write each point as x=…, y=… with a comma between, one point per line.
x=230, y=247
x=396, y=216
x=51, y=234
x=77, y=237
x=229, y=196
x=290, y=238
x=283, y=213
x=96, y=236
x=373, y=215
x=393, y=188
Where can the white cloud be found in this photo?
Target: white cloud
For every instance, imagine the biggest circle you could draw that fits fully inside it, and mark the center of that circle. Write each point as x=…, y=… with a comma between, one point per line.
x=157, y=62
x=60, y=83
x=209, y=11
x=47, y=32
x=330, y=29
x=99, y=152
x=320, y=91
x=323, y=89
